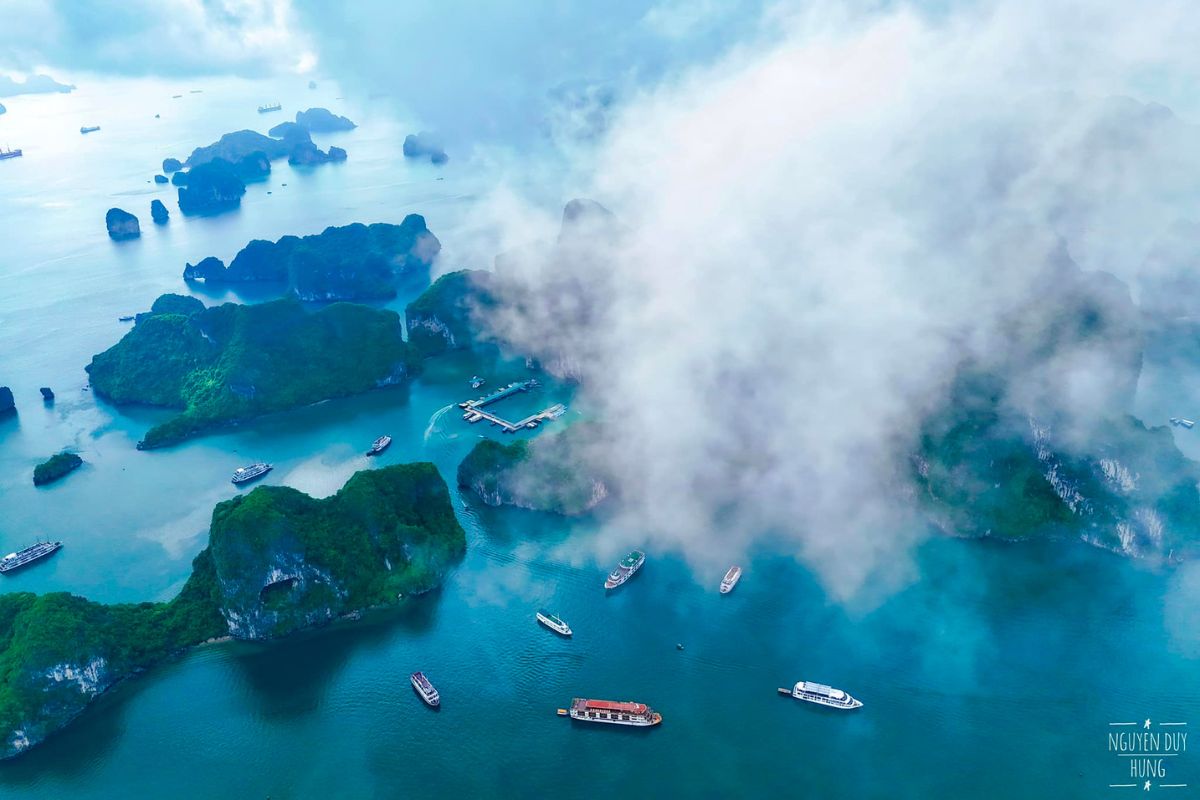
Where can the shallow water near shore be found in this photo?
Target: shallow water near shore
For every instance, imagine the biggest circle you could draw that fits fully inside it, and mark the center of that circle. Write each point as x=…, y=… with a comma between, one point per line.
x=994, y=673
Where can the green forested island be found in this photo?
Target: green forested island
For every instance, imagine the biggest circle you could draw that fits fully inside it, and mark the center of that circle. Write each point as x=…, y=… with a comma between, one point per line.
x=277, y=560
x=447, y=315
x=350, y=262
x=563, y=473
x=55, y=468
x=229, y=363
x=286, y=561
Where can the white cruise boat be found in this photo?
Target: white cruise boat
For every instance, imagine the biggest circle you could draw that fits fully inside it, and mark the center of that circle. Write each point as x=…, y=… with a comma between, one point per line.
x=822, y=695
x=731, y=579
x=554, y=622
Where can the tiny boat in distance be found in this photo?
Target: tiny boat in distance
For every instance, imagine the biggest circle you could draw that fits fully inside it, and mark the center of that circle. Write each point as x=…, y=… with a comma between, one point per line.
x=629, y=565
x=554, y=622
x=731, y=579
x=243, y=474
x=126, y=318
x=425, y=689
x=10, y=154
x=89, y=128
x=822, y=695
x=269, y=107
x=30, y=554
x=638, y=715
x=379, y=445
x=477, y=381
x=1182, y=423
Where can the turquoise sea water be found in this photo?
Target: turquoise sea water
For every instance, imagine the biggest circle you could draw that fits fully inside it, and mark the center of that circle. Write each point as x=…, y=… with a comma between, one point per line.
x=995, y=673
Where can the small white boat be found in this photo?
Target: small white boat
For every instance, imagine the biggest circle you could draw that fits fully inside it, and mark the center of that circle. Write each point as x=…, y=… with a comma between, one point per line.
x=731, y=579
x=1182, y=423
x=822, y=695
x=244, y=474
x=554, y=622
x=379, y=445
x=425, y=689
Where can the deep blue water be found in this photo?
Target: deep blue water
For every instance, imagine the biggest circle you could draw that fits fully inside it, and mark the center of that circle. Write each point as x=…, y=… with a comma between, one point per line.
x=994, y=673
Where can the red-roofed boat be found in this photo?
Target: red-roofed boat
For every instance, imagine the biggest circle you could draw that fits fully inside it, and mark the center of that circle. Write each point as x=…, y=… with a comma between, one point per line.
x=614, y=713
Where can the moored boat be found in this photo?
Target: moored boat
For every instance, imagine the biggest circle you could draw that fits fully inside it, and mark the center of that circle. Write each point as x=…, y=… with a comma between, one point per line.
x=28, y=555
x=638, y=715
x=379, y=445
x=554, y=622
x=476, y=382
x=243, y=474
x=89, y=128
x=731, y=579
x=625, y=570
x=822, y=695
x=425, y=689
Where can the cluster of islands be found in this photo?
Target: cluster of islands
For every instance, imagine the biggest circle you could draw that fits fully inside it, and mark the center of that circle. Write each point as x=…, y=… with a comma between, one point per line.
x=213, y=179
x=985, y=461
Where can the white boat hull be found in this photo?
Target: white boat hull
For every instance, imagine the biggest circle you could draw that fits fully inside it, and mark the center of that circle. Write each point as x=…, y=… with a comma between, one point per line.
x=638, y=723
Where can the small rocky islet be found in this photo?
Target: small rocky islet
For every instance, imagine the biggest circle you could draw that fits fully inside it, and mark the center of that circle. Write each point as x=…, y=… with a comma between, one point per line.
x=121, y=225
x=425, y=145
x=56, y=468
x=277, y=561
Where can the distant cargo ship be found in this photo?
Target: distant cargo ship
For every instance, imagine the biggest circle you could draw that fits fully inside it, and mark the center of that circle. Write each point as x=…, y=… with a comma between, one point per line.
x=822, y=695
x=30, y=554
x=629, y=565
x=379, y=445
x=10, y=154
x=89, y=128
x=731, y=579
x=425, y=689
x=272, y=107
x=636, y=714
x=243, y=474
x=554, y=623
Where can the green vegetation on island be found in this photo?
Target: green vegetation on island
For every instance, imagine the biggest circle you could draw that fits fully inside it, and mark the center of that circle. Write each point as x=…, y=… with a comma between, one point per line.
x=277, y=560
x=563, y=473
x=447, y=315
x=350, y=262
x=58, y=652
x=986, y=470
x=230, y=363
x=286, y=561
x=55, y=468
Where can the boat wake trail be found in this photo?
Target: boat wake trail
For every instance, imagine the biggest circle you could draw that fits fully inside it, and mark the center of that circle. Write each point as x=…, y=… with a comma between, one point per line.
x=434, y=420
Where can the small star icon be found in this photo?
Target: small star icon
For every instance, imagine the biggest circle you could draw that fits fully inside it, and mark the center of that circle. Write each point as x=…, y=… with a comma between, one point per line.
x=1146, y=725
x=1146, y=788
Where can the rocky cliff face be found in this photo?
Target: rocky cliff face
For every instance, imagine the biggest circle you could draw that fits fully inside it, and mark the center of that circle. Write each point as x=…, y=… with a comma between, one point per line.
x=65, y=689
x=447, y=315
x=7, y=404
x=121, y=225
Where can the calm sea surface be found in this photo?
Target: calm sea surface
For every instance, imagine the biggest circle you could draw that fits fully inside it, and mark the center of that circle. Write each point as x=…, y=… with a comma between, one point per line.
x=994, y=674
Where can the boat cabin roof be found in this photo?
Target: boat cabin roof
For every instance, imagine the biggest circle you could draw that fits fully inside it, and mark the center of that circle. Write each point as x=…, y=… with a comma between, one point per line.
x=609, y=705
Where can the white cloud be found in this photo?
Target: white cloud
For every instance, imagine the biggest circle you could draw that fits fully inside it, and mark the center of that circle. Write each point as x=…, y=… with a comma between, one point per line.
x=154, y=37
x=822, y=226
